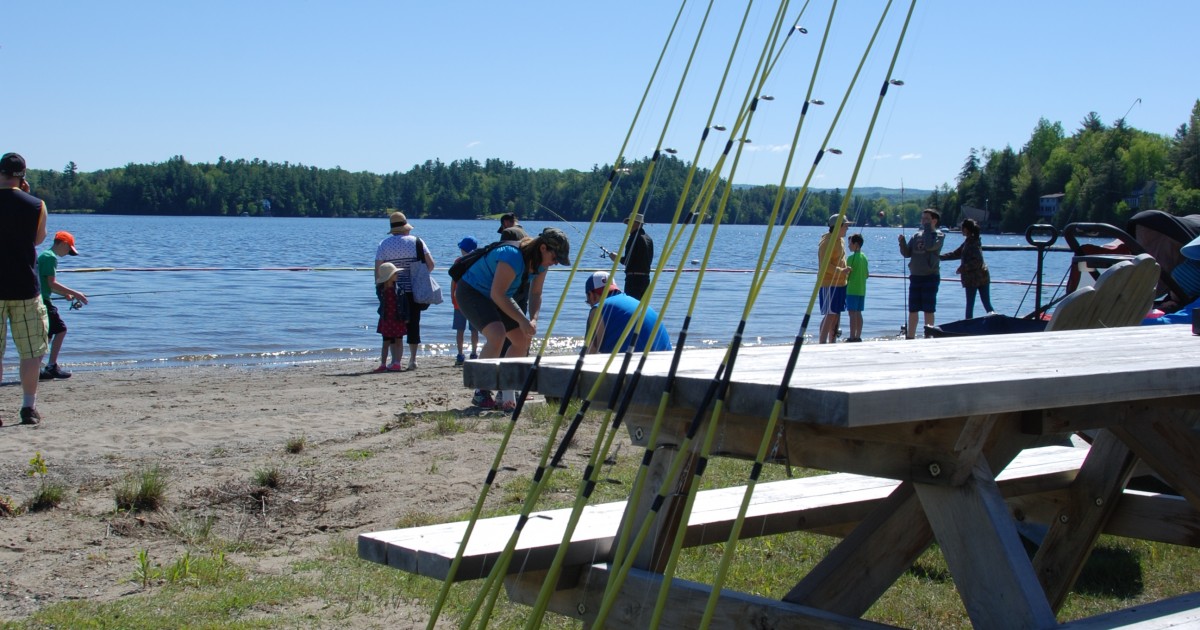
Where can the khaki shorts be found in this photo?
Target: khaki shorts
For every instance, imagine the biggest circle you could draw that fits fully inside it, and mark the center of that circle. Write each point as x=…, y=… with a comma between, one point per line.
x=29, y=326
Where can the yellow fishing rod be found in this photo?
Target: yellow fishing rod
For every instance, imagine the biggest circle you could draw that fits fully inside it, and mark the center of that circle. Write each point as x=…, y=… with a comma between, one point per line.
x=492, y=472
x=725, y=368
x=535, y=492
x=491, y=588
x=781, y=395
x=590, y=478
x=753, y=97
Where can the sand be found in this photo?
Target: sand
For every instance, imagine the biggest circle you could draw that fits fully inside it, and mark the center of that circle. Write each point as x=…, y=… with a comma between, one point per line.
x=210, y=429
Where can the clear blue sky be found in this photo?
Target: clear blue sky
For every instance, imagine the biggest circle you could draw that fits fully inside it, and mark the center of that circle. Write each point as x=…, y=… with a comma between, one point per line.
x=381, y=86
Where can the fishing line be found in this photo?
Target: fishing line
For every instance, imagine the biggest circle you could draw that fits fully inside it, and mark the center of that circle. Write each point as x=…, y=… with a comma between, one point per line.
x=478, y=508
x=564, y=220
x=785, y=381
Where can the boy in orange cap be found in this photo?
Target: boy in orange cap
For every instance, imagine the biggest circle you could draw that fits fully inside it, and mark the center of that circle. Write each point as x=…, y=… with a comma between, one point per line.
x=47, y=264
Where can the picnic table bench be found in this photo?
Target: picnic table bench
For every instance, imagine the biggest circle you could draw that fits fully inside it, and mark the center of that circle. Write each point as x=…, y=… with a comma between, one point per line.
x=929, y=440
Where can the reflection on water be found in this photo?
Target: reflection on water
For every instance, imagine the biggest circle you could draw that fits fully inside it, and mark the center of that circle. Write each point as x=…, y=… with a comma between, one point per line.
x=317, y=301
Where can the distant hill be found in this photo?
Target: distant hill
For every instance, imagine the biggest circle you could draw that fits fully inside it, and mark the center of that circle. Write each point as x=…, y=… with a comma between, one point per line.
x=893, y=195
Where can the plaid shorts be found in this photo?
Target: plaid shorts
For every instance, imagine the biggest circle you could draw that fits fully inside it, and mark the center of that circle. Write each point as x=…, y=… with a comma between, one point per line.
x=29, y=326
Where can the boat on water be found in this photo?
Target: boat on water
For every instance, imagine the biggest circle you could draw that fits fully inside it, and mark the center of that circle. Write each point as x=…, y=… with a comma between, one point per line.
x=1153, y=232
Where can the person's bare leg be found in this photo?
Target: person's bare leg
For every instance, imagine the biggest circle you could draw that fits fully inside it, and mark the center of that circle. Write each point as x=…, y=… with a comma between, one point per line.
x=56, y=343
x=412, y=355
x=493, y=341
x=29, y=375
x=929, y=319
x=911, y=333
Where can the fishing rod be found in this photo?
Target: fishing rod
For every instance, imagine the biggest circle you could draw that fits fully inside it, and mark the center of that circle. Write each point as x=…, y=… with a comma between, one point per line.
x=606, y=253
x=786, y=377
x=487, y=486
x=604, y=441
x=626, y=552
x=492, y=587
x=904, y=265
x=76, y=304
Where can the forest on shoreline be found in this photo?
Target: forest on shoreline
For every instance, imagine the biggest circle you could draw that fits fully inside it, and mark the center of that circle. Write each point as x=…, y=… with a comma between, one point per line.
x=1104, y=172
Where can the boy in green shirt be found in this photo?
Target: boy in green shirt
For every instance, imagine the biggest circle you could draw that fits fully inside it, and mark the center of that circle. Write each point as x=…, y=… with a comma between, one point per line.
x=47, y=265
x=856, y=287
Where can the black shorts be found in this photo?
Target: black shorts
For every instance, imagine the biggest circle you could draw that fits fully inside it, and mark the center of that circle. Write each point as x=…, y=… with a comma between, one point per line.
x=57, y=325
x=480, y=310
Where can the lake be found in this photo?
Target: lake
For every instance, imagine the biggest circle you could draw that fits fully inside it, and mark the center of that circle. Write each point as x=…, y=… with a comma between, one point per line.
x=169, y=291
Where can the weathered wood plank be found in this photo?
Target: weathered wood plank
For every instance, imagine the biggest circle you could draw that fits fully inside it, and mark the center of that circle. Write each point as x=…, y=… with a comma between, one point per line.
x=1177, y=612
x=958, y=376
x=985, y=556
x=1165, y=518
x=827, y=501
x=685, y=604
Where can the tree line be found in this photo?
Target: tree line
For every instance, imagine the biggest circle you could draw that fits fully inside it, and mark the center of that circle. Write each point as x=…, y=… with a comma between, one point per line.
x=1099, y=169
x=462, y=189
x=1105, y=173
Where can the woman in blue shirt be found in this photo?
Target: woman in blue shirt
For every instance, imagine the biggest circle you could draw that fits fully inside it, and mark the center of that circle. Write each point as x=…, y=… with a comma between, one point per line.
x=485, y=293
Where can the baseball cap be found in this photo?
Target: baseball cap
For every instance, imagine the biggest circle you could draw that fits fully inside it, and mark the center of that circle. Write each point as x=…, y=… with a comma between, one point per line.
x=12, y=165
x=468, y=244
x=514, y=233
x=833, y=221
x=556, y=240
x=597, y=281
x=384, y=272
x=68, y=238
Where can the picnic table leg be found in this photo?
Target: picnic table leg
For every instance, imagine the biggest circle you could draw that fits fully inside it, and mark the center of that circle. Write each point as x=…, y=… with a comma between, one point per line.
x=652, y=556
x=884, y=545
x=1165, y=438
x=1073, y=532
x=864, y=565
x=980, y=543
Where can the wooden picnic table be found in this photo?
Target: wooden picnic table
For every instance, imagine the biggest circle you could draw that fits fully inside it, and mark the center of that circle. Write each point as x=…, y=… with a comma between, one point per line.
x=942, y=419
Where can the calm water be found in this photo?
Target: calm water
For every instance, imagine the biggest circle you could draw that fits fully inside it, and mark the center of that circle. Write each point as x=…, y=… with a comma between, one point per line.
x=281, y=291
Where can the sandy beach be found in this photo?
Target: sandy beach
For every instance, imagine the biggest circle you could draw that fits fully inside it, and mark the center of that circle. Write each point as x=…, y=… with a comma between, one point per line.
x=368, y=463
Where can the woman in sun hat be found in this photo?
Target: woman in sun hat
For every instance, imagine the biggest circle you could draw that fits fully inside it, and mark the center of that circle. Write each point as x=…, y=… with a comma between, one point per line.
x=402, y=249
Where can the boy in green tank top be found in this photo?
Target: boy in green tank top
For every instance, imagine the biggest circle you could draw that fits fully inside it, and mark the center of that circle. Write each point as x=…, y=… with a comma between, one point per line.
x=856, y=287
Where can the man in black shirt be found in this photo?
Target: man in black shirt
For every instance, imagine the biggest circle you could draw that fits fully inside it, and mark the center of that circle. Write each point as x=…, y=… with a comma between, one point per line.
x=639, y=255
x=22, y=228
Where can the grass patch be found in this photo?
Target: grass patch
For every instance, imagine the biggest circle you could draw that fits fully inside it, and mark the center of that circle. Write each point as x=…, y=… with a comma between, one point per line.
x=358, y=455
x=295, y=444
x=269, y=477
x=447, y=424
x=48, y=496
x=143, y=491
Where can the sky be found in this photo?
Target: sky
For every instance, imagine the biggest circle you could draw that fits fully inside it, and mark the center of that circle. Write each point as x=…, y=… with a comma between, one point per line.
x=382, y=86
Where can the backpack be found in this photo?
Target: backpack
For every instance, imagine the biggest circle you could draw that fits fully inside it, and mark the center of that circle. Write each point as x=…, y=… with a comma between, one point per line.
x=464, y=263
x=460, y=267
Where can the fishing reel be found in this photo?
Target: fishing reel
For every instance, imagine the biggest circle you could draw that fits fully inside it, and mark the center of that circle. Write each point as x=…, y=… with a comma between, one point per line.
x=76, y=305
